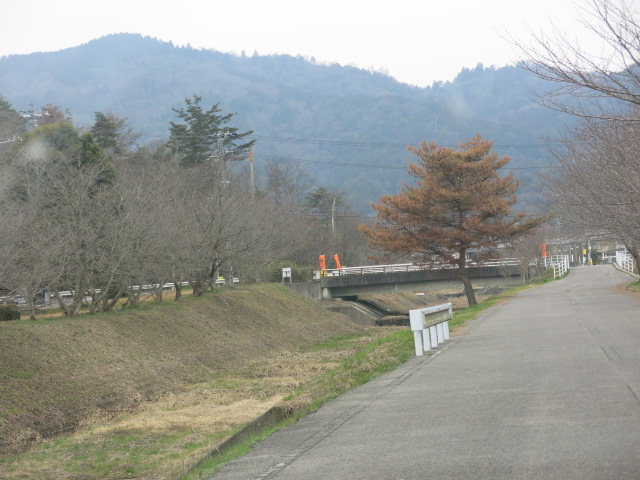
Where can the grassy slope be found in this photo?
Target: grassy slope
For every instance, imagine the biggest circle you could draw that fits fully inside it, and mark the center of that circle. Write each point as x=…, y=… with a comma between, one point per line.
x=165, y=438
x=55, y=373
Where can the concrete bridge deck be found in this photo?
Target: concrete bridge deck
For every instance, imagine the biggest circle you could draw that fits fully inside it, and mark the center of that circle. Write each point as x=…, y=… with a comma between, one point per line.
x=413, y=280
x=354, y=281
x=543, y=386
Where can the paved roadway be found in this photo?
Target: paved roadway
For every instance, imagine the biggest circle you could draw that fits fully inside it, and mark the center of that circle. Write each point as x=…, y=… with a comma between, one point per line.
x=543, y=386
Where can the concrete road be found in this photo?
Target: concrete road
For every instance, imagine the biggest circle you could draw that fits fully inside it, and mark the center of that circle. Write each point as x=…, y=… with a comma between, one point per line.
x=543, y=386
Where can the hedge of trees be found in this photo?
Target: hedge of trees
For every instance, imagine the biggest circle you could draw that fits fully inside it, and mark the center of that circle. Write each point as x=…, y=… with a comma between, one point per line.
x=93, y=214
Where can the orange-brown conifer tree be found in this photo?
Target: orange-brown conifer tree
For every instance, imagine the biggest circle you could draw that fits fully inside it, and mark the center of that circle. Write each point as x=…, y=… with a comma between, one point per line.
x=459, y=203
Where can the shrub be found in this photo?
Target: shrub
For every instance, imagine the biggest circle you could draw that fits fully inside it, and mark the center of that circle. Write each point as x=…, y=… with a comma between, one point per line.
x=9, y=312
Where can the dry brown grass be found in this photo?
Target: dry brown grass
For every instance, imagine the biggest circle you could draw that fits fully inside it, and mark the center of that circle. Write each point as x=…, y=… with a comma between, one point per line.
x=209, y=412
x=195, y=371
x=59, y=372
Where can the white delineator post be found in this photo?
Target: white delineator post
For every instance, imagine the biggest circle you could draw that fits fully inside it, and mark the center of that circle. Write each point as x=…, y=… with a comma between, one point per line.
x=430, y=326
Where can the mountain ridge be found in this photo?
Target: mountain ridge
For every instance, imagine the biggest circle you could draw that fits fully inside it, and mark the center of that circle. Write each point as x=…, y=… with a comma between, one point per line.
x=347, y=111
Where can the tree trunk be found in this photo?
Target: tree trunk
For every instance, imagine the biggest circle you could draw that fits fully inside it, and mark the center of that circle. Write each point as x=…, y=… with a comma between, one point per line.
x=178, y=286
x=95, y=301
x=156, y=293
x=464, y=277
x=65, y=308
x=199, y=287
x=31, y=303
x=110, y=303
x=468, y=288
x=133, y=295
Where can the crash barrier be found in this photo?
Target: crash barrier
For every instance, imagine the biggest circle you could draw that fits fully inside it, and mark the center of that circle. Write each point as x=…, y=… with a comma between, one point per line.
x=559, y=263
x=624, y=261
x=430, y=326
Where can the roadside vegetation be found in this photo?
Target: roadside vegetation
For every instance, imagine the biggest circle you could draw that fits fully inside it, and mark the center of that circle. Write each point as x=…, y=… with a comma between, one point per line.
x=91, y=221
x=166, y=433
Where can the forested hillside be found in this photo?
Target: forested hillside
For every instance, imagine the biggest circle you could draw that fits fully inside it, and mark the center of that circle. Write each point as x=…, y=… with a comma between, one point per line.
x=349, y=127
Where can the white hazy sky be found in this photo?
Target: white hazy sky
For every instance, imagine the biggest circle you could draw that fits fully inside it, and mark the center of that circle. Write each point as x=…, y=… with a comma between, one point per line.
x=415, y=41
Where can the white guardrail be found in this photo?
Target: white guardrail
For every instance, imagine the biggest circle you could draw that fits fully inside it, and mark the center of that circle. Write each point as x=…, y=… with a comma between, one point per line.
x=624, y=261
x=430, y=326
x=135, y=288
x=559, y=263
x=412, y=267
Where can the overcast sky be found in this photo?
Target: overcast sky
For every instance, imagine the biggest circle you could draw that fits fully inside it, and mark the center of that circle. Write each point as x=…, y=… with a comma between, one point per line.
x=415, y=41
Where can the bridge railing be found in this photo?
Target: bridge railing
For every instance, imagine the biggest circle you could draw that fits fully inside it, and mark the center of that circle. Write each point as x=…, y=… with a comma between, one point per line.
x=413, y=267
x=430, y=326
x=624, y=261
x=559, y=263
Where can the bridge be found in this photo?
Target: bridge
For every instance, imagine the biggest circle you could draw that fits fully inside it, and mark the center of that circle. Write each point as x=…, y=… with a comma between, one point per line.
x=353, y=281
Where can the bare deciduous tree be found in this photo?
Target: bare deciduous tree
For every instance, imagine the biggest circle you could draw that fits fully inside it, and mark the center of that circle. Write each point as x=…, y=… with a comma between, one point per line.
x=527, y=250
x=590, y=85
x=597, y=184
x=29, y=236
x=286, y=184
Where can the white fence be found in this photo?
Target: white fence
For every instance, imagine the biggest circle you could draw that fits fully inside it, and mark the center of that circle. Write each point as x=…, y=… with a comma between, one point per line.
x=559, y=263
x=430, y=326
x=624, y=261
x=412, y=267
x=68, y=294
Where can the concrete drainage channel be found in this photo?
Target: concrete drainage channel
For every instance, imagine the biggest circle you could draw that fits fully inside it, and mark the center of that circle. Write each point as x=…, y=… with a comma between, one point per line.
x=366, y=313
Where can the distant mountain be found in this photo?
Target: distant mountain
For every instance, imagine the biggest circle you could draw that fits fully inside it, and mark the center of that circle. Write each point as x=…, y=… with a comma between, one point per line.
x=324, y=116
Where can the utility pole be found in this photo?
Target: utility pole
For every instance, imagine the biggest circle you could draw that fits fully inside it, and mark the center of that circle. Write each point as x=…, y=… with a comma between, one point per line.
x=253, y=185
x=333, y=216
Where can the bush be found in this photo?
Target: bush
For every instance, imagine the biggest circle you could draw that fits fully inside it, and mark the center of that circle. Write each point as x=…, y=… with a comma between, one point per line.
x=9, y=312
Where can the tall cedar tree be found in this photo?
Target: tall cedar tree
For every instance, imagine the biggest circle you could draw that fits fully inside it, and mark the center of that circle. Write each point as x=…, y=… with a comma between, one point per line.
x=204, y=134
x=459, y=203
x=114, y=134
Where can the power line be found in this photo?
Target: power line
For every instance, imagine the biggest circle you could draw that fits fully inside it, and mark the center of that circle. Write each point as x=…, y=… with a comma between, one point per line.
x=352, y=143
x=368, y=165
x=318, y=141
x=346, y=143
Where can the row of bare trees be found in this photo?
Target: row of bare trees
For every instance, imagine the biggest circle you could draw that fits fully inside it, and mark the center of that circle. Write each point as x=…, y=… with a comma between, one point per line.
x=74, y=222
x=597, y=184
x=596, y=187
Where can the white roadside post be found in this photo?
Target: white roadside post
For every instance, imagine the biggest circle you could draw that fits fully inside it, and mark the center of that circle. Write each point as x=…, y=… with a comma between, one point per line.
x=433, y=331
x=440, y=331
x=416, y=320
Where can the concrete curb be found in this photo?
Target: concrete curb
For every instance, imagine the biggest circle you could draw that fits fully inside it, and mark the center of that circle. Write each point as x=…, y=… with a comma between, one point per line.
x=269, y=419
